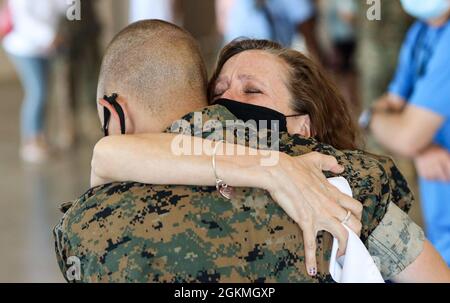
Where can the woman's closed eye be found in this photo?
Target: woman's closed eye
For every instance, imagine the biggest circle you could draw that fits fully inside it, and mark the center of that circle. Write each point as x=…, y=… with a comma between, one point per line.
x=252, y=90
x=220, y=89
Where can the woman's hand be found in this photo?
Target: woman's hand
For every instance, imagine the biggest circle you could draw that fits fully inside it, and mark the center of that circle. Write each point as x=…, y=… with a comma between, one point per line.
x=300, y=188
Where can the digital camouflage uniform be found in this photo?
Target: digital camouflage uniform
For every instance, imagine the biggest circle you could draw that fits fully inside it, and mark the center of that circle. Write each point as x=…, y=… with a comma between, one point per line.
x=379, y=43
x=131, y=232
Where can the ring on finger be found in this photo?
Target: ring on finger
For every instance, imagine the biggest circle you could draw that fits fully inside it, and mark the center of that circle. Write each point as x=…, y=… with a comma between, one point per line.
x=347, y=217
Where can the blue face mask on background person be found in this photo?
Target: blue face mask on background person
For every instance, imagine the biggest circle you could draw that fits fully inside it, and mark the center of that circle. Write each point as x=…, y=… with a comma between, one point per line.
x=426, y=9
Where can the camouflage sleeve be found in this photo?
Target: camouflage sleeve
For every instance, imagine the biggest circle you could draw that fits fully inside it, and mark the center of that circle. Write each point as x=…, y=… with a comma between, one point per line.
x=370, y=185
x=206, y=122
x=61, y=241
x=61, y=244
x=401, y=194
x=396, y=242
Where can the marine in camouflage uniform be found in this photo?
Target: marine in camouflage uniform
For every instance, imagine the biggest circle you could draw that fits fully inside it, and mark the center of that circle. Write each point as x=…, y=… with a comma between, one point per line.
x=83, y=53
x=379, y=43
x=131, y=232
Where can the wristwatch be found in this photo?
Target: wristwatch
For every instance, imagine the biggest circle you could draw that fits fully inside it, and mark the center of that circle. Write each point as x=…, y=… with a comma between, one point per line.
x=366, y=118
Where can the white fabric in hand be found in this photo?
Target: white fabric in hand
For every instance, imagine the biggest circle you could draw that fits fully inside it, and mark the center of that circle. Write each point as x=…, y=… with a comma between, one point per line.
x=357, y=265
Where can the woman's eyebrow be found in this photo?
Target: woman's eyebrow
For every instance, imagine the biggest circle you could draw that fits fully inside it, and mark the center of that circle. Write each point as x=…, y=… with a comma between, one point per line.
x=251, y=78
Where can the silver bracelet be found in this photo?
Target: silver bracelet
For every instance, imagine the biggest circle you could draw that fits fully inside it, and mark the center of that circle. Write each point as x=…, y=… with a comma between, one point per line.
x=223, y=188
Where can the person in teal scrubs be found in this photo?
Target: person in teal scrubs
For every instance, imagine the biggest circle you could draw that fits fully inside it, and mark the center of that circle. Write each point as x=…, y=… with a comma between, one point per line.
x=413, y=118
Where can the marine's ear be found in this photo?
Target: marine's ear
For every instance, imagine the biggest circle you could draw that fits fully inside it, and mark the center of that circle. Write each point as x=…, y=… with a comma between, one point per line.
x=129, y=119
x=114, y=123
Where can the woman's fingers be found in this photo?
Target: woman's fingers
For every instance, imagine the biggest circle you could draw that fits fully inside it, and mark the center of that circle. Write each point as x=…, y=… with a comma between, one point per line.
x=355, y=225
x=354, y=206
x=340, y=214
x=340, y=207
x=330, y=193
x=309, y=240
x=338, y=231
x=323, y=162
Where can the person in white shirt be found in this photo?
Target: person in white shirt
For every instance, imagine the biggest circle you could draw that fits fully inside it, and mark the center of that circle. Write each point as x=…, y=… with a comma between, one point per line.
x=30, y=45
x=154, y=9
x=288, y=22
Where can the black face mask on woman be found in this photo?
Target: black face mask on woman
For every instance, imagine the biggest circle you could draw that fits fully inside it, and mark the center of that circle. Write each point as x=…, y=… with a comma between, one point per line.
x=246, y=112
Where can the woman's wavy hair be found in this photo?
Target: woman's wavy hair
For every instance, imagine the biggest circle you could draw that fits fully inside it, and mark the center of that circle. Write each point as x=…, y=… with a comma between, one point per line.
x=312, y=92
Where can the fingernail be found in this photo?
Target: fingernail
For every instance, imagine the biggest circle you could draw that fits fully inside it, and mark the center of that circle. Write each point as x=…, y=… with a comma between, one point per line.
x=312, y=271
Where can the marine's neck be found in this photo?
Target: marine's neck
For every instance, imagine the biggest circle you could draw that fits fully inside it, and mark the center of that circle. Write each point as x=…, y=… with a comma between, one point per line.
x=159, y=121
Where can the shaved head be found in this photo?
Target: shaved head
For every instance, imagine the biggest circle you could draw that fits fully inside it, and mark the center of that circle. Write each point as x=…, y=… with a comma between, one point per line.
x=156, y=65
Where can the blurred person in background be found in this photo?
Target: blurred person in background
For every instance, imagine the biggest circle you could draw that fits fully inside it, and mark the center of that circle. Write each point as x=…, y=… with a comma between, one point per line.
x=167, y=10
x=277, y=20
x=341, y=21
x=378, y=46
x=30, y=46
x=413, y=118
x=82, y=57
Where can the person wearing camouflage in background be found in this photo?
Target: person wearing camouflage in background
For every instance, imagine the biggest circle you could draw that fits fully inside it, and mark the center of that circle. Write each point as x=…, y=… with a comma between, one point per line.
x=379, y=43
x=80, y=64
x=133, y=232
